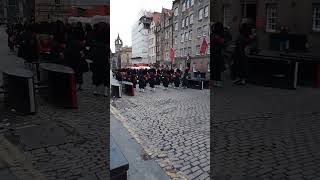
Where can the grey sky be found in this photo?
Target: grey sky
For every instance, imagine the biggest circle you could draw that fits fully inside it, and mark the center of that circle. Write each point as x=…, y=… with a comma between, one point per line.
x=124, y=13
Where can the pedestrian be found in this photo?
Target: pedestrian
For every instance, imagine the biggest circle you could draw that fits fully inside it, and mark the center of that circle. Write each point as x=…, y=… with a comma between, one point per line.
x=185, y=79
x=29, y=45
x=74, y=56
x=99, y=54
x=217, y=37
x=152, y=81
x=10, y=33
x=165, y=80
x=284, y=39
x=253, y=42
x=177, y=80
x=240, y=55
x=141, y=82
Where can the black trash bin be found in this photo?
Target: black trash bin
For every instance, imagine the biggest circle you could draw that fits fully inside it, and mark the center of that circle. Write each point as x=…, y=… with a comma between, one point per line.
x=18, y=85
x=61, y=84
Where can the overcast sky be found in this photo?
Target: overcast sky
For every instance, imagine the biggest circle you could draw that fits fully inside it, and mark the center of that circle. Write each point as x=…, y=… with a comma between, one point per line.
x=124, y=13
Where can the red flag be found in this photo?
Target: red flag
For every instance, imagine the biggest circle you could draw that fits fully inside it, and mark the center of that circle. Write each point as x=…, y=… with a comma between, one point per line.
x=171, y=52
x=204, y=46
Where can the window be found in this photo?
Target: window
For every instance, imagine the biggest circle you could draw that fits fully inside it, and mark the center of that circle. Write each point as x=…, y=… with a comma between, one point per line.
x=187, y=4
x=199, y=31
x=206, y=11
x=183, y=6
x=205, y=30
x=191, y=2
x=200, y=14
x=176, y=11
x=189, y=51
x=190, y=35
x=181, y=52
x=271, y=18
x=58, y=1
x=194, y=67
x=183, y=22
x=316, y=18
x=191, y=19
x=176, y=26
x=175, y=40
x=186, y=35
x=198, y=50
x=182, y=37
x=208, y=67
x=208, y=49
x=227, y=19
x=185, y=52
x=187, y=20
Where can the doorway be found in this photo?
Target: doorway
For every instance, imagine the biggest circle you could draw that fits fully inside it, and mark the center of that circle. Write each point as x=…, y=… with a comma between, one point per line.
x=249, y=11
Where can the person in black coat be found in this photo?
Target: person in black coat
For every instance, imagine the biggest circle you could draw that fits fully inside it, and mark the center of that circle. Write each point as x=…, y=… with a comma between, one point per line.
x=152, y=81
x=100, y=54
x=240, y=56
x=73, y=57
x=185, y=79
x=141, y=82
x=177, y=80
x=217, y=37
x=165, y=80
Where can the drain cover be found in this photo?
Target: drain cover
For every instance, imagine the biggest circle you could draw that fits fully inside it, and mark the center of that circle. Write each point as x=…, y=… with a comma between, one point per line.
x=41, y=136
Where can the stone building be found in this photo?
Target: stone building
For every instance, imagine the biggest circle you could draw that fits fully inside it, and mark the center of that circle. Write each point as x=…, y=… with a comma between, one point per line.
x=125, y=57
x=165, y=35
x=52, y=10
x=190, y=27
x=152, y=55
x=301, y=17
x=18, y=10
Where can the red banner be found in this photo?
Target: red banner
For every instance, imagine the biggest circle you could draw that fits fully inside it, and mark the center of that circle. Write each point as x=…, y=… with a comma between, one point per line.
x=203, y=47
x=171, y=53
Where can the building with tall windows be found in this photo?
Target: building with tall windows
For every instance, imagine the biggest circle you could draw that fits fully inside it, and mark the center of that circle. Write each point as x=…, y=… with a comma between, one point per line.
x=190, y=23
x=152, y=45
x=52, y=10
x=301, y=17
x=140, y=39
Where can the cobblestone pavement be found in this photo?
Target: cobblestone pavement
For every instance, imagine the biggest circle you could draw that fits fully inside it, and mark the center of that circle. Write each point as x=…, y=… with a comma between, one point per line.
x=82, y=152
x=265, y=133
x=173, y=128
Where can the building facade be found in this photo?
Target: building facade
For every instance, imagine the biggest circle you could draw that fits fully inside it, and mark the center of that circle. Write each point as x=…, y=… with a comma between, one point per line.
x=52, y=10
x=301, y=17
x=165, y=36
x=17, y=10
x=153, y=38
x=191, y=24
x=125, y=57
x=140, y=39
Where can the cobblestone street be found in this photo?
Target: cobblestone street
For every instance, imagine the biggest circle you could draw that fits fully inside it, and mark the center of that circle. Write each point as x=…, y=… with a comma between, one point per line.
x=173, y=128
x=265, y=133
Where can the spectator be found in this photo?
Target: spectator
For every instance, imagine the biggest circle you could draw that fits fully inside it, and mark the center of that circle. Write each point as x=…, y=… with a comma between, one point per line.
x=99, y=53
x=284, y=39
x=240, y=55
x=218, y=60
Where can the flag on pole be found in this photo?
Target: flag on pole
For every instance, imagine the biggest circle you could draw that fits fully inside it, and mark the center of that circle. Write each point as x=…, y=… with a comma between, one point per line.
x=203, y=47
x=171, y=53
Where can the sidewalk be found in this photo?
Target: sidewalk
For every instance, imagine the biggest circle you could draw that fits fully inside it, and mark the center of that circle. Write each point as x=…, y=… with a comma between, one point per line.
x=139, y=167
x=265, y=133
